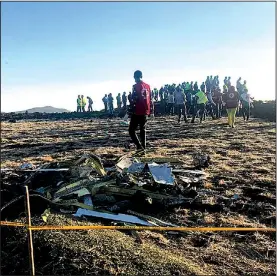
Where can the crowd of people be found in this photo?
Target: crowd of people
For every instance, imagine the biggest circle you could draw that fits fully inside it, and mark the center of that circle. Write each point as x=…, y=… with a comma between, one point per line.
x=188, y=100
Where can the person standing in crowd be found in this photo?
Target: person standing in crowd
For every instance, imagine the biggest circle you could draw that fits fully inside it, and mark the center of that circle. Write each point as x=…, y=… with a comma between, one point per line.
x=83, y=103
x=217, y=99
x=225, y=81
x=202, y=87
x=170, y=103
x=110, y=103
x=217, y=81
x=153, y=95
x=201, y=100
x=188, y=102
x=187, y=87
x=161, y=94
x=246, y=102
x=210, y=105
x=79, y=104
x=90, y=103
x=208, y=86
x=156, y=94
x=118, y=100
x=229, y=82
x=195, y=87
x=225, y=88
x=231, y=100
x=191, y=86
x=140, y=109
x=239, y=85
x=130, y=97
x=214, y=82
x=180, y=102
x=211, y=82
x=105, y=101
x=165, y=100
x=244, y=86
x=124, y=100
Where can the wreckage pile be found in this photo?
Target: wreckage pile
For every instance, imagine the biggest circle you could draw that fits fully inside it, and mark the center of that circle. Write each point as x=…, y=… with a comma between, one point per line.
x=85, y=188
x=237, y=190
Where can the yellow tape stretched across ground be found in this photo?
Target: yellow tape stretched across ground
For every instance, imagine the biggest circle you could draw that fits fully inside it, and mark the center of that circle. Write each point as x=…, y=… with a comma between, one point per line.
x=151, y=228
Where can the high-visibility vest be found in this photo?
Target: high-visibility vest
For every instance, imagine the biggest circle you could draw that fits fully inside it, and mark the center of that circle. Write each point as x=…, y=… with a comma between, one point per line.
x=83, y=102
x=202, y=98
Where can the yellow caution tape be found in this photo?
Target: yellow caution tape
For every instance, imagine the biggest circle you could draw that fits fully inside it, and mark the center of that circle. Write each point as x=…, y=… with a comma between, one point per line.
x=14, y=224
x=150, y=228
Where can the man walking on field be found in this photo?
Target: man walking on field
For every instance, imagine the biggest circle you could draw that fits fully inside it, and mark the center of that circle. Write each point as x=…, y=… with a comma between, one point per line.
x=140, y=108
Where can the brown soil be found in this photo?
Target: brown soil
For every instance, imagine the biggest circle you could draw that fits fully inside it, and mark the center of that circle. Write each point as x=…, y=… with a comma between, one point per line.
x=242, y=158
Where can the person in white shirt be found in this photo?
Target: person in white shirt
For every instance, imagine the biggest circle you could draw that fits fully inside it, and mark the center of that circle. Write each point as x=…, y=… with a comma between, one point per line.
x=180, y=102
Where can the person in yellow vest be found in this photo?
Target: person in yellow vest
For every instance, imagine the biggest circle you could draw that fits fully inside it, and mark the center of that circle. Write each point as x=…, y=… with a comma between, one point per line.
x=201, y=100
x=79, y=109
x=83, y=103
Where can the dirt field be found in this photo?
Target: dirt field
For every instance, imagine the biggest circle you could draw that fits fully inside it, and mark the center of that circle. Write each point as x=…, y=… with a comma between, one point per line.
x=242, y=159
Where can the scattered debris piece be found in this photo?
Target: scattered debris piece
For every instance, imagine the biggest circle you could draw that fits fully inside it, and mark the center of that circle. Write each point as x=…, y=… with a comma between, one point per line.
x=162, y=174
x=117, y=217
x=201, y=160
x=27, y=166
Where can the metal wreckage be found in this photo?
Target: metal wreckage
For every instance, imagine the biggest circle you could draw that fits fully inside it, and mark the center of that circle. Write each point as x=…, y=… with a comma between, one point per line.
x=126, y=192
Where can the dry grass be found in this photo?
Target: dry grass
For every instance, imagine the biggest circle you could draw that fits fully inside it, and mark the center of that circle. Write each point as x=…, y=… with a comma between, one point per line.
x=241, y=157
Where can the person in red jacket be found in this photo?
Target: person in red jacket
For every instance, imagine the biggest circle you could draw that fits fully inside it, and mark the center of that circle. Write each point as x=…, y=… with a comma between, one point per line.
x=231, y=100
x=141, y=104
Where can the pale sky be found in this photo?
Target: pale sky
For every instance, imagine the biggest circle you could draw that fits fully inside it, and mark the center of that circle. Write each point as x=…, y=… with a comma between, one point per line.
x=51, y=52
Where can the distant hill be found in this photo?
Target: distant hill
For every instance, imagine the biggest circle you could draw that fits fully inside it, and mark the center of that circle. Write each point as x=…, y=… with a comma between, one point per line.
x=45, y=109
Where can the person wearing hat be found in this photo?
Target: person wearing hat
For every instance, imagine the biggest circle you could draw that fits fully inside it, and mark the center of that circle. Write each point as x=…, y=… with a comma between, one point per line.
x=141, y=104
